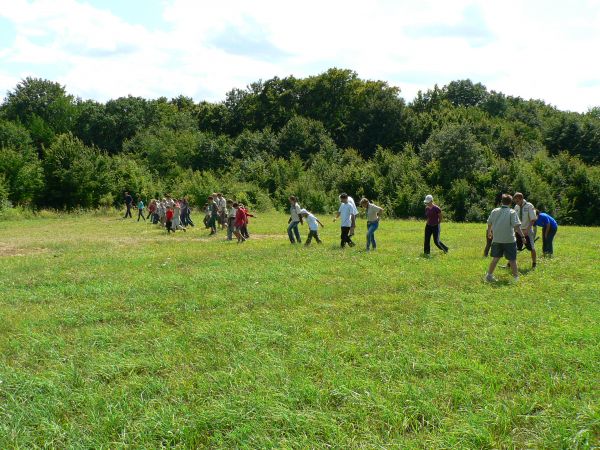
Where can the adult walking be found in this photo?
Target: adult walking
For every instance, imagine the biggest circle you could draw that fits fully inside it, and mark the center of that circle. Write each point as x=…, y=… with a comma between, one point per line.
x=527, y=216
x=222, y=209
x=347, y=221
x=294, y=220
x=503, y=223
x=214, y=214
x=432, y=228
x=354, y=212
x=373, y=212
x=128, y=203
x=549, y=228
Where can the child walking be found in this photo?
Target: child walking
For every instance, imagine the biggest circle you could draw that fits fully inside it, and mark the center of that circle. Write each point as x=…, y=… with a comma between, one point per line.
x=169, y=219
x=313, y=227
x=240, y=220
x=244, y=229
x=140, y=206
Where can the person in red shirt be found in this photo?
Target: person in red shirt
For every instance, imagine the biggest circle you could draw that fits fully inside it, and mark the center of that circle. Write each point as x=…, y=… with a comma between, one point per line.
x=244, y=229
x=240, y=221
x=169, y=217
x=432, y=227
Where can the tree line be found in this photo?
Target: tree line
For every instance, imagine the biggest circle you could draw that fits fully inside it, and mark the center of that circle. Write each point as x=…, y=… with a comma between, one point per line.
x=311, y=137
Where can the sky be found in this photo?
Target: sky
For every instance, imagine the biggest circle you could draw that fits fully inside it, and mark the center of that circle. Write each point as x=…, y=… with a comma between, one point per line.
x=103, y=49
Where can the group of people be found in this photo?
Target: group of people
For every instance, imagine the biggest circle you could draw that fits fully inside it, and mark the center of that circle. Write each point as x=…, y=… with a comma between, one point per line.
x=173, y=214
x=347, y=214
x=509, y=230
x=231, y=215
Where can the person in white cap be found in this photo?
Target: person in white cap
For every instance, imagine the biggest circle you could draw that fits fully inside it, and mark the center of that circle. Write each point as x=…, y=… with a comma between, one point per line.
x=432, y=227
x=313, y=227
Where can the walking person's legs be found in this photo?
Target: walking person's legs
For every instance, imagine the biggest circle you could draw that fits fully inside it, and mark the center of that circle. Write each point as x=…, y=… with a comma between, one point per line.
x=492, y=267
x=345, y=238
x=311, y=233
x=230, y=228
x=290, y=232
x=427, y=242
x=297, y=232
x=371, y=228
x=436, y=239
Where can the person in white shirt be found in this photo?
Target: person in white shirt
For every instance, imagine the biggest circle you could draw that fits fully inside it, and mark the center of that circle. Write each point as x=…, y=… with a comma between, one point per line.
x=354, y=211
x=169, y=202
x=231, y=212
x=373, y=212
x=526, y=213
x=347, y=220
x=313, y=227
x=222, y=209
x=294, y=220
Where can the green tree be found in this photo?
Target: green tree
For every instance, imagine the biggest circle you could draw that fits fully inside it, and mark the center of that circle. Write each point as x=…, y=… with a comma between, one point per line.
x=453, y=152
x=76, y=175
x=42, y=105
x=465, y=93
x=303, y=137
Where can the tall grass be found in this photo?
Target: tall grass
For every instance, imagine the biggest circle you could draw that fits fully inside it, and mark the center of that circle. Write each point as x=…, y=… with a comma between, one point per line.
x=114, y=334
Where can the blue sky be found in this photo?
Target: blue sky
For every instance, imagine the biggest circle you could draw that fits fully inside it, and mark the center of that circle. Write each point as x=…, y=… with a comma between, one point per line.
x=104, y=49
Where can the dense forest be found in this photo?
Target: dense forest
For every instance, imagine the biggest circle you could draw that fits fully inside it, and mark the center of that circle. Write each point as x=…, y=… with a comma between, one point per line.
x=312, y=137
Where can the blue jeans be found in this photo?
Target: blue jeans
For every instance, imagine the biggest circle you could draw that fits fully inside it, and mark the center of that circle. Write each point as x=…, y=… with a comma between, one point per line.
x=371, y=229
x=547, y=242
x=293, y=226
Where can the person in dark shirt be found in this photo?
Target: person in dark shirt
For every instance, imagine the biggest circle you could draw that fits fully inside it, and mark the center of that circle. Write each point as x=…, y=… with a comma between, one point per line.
x=432, y=227
x=128, y=203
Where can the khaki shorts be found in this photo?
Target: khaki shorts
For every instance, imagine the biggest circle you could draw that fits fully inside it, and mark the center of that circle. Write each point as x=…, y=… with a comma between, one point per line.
x=532, y=237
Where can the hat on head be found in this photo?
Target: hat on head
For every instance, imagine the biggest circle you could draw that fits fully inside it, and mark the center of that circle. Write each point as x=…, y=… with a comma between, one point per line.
x=303, y=211
x=428, y=198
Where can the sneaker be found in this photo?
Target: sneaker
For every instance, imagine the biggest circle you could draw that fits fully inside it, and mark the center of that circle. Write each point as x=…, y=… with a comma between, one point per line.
x=490, y=278
x=515, y=279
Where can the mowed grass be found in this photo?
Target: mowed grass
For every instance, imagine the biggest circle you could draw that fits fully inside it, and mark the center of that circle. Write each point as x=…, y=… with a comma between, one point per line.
x=115, y=335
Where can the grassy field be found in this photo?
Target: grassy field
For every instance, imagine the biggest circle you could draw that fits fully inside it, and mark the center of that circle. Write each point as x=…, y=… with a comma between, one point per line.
x=115, y=335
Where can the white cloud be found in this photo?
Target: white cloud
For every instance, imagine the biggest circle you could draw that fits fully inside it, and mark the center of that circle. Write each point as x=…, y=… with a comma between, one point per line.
x=532, y=49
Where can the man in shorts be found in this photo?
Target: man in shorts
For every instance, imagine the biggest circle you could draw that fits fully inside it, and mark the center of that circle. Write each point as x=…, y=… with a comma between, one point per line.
x=503, y=223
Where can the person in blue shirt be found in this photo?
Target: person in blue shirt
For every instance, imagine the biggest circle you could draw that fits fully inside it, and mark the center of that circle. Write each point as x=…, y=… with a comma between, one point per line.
x=549, y=228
